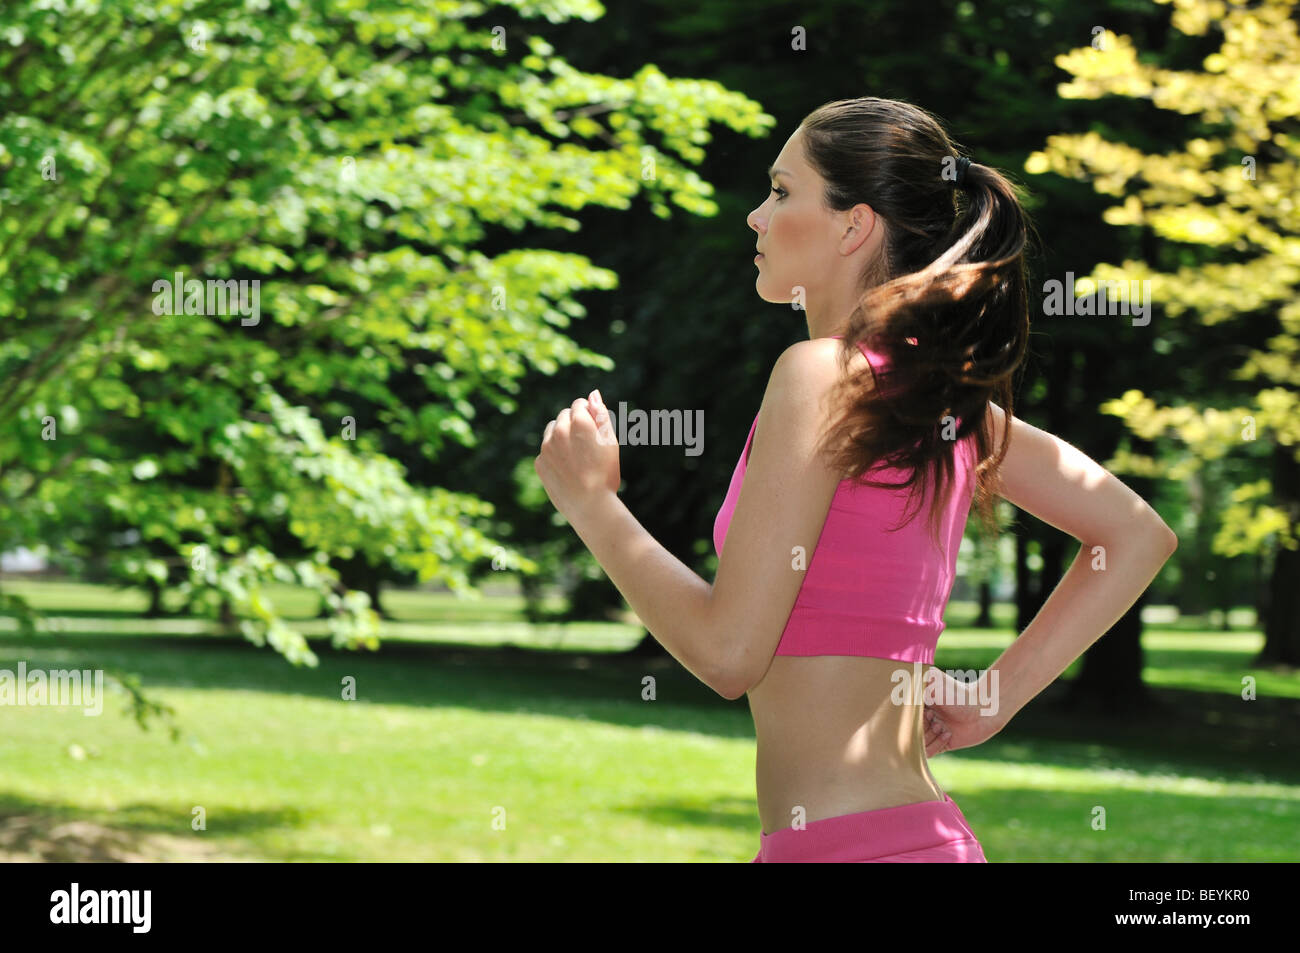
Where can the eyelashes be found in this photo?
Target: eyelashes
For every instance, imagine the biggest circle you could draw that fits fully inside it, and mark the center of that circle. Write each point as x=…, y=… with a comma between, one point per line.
x=781, y=192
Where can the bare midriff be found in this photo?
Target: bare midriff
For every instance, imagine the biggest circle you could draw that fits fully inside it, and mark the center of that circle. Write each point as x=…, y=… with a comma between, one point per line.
x=832, y=741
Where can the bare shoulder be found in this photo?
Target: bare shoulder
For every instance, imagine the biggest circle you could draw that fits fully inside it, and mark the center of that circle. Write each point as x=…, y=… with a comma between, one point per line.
x=812, y=367
x=799, y=405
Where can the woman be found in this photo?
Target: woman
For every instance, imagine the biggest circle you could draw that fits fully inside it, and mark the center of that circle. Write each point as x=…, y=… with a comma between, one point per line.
x=828, y=599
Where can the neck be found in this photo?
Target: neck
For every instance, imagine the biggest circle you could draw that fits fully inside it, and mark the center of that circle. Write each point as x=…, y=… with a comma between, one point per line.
x=833, y=317
x=828, y=323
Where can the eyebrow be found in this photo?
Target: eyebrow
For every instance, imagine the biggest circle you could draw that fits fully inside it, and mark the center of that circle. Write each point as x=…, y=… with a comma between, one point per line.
x=773, y=172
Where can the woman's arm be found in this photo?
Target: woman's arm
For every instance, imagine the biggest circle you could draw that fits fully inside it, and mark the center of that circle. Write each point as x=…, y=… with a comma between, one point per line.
x=671, y=601
x=724, y=634
x=1124, y=545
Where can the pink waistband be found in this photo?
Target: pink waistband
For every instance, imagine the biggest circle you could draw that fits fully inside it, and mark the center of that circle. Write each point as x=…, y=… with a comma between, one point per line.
x=868, y=834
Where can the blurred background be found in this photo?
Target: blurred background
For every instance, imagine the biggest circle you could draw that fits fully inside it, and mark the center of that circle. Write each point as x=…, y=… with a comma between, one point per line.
x=289, y=289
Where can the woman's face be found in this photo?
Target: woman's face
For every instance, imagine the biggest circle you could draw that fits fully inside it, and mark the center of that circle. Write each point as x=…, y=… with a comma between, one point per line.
x=810, y=254
x=795, y=232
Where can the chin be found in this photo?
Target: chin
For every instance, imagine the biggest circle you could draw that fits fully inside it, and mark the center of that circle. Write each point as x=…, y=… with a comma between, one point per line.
x=767, y=296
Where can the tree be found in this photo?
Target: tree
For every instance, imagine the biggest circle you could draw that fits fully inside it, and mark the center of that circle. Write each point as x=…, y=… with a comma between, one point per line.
x=237, y=240
x=1227, y=199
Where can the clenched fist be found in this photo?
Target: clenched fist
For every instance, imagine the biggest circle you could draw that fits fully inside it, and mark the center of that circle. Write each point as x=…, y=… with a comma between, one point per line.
x=579, y=456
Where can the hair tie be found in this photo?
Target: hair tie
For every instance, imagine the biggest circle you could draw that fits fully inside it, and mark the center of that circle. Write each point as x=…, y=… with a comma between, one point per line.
x=963, y=164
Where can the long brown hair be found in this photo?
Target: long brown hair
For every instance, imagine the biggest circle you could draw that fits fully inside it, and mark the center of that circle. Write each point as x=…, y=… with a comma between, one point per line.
x=952, y=279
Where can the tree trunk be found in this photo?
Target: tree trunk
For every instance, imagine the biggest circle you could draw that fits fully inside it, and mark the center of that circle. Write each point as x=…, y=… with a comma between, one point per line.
x=1054, y=552
x=373, y=585
x=593, y=599
x=1282, y=630
x=1110, y=681
x=534, y=596
x=985, y=618
x=226, y=617
x=1263, y=579
x=1029, y=588
x=1195, y=597
x=156, y=607
x=357, y=573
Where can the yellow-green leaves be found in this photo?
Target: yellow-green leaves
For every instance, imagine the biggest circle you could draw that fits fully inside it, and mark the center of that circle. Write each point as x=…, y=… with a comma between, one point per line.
x=1230, y=192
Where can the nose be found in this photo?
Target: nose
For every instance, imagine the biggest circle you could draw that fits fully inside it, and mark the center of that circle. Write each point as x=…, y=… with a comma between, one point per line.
x=752, y=220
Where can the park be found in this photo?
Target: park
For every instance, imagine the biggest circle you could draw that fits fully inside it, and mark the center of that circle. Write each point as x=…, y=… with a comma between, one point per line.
x=303, y=308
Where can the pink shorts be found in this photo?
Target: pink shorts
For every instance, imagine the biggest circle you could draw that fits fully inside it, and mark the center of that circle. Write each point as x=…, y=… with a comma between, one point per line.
x=921, y=833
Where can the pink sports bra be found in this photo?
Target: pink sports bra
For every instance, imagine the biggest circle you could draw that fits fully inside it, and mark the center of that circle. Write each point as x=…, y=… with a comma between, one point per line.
x=868, y=592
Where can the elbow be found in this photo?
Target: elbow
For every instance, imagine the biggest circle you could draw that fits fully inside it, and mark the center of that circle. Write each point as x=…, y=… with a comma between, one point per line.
x=727, y=673
x=730, y=681
x=1168, y=536
x=729, y=686
x=1157, y=530
x=732, y=696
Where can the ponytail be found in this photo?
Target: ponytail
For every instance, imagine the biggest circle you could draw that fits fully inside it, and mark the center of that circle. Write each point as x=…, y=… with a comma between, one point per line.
x=947, y=304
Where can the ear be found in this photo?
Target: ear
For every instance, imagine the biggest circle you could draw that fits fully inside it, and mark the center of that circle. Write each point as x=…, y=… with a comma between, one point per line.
x=861, y=225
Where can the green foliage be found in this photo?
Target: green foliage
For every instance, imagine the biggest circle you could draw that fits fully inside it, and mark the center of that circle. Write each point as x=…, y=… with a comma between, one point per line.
x=1229, y=196
x=349, y=156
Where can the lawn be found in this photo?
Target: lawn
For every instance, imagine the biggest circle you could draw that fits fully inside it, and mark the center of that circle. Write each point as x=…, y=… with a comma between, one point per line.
x=462, y=746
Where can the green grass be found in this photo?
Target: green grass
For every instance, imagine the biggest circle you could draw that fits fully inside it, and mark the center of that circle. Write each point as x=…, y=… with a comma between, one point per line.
x=452, y=727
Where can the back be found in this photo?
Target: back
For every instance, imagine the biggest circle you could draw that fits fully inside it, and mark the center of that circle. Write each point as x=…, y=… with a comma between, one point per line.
x=867, y=591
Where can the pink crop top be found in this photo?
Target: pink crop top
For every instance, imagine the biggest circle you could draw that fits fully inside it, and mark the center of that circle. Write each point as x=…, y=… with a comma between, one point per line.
x=869, y=592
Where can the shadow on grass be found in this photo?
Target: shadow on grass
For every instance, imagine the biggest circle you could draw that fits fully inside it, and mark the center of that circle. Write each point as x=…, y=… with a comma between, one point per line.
x=730, y=813
x=605, y=686
x=46, y=831
x=1183, y=731
x=1186, y=734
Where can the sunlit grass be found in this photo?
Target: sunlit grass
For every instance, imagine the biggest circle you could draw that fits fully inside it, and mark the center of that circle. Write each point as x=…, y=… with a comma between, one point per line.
x=442, y=741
